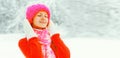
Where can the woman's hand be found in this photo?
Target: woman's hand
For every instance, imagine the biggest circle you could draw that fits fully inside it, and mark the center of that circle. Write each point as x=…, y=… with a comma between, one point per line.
x=29, y=32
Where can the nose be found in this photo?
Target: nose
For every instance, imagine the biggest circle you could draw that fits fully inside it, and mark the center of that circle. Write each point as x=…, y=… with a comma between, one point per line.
x=43, y=18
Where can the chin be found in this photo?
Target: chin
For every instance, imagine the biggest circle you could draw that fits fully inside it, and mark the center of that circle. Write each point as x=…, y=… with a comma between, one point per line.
x=42, y=26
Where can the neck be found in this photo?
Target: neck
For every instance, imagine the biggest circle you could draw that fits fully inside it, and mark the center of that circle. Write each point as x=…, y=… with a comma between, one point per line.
x=36, y=27
x=39, y=28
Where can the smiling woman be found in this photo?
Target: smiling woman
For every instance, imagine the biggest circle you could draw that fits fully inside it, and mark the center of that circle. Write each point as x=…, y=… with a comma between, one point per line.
x=45, y=44
x=40, y=21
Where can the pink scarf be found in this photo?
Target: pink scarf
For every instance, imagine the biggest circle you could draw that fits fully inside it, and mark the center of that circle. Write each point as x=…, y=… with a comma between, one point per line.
x=45, y=40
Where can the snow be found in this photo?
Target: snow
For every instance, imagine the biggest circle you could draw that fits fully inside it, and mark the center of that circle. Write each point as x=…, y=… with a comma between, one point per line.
x=9, y=47
x=79, y=47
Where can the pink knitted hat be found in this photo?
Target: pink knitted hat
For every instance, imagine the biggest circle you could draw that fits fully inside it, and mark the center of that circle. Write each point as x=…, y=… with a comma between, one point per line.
x=34, y=9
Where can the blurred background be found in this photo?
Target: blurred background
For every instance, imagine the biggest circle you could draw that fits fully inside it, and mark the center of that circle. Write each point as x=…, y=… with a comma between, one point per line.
x=74, y=18
x=87, y=26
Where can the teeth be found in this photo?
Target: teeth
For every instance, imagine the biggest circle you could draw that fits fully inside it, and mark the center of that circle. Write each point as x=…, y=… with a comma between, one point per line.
x=42, y=22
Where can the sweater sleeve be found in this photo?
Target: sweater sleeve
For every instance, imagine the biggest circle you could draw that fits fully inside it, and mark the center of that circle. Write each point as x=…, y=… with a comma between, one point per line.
x=59, y=48
x=30, y=48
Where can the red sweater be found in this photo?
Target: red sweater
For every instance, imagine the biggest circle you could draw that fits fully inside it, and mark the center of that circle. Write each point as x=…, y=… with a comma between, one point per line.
x=32, y=48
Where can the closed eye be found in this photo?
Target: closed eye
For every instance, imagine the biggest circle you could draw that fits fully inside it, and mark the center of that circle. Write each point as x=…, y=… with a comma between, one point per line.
x=46, y=16
x=39, y=15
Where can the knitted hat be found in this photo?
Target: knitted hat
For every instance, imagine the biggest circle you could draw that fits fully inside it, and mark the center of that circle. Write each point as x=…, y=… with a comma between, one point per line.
x=34, y=9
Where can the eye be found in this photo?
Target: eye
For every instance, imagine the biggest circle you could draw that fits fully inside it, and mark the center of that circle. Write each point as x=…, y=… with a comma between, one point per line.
x=46, y=16
x=39, y=15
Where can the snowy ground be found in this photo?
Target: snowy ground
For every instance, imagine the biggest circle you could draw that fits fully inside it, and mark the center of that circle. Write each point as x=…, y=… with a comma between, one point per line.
x=79, y=47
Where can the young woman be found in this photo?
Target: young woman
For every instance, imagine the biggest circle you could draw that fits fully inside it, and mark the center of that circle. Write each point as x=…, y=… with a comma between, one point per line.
x=45, y=44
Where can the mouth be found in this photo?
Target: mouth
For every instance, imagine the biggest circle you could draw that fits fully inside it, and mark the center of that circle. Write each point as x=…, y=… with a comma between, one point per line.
x=43, y=22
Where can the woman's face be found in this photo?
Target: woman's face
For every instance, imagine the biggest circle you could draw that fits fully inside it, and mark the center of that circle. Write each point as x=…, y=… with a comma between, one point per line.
x=40, y=20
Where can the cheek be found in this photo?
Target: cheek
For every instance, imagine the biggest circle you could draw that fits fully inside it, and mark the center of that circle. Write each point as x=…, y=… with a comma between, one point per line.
x=47, y=20
x=35, y=21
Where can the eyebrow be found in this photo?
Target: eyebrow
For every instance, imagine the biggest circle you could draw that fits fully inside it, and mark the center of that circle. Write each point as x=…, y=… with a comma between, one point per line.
x=41, y=13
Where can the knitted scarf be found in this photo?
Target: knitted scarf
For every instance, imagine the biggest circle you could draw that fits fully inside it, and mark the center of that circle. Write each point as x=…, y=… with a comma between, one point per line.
x=44, y=38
